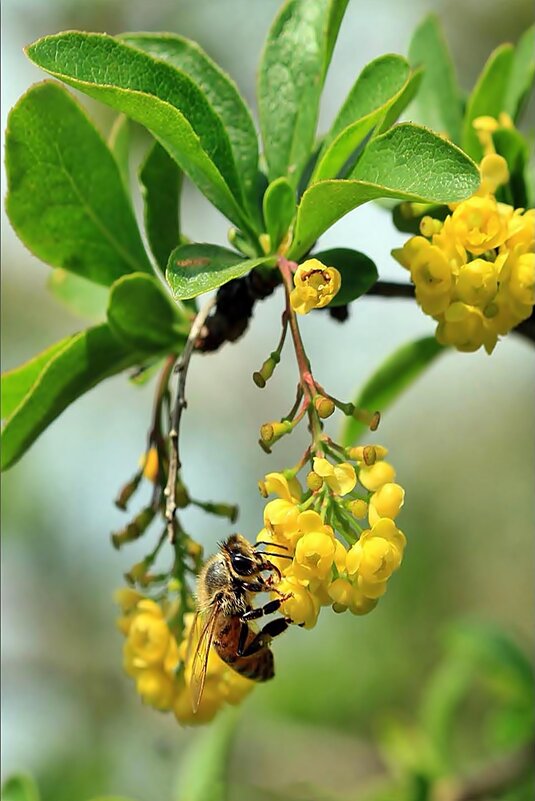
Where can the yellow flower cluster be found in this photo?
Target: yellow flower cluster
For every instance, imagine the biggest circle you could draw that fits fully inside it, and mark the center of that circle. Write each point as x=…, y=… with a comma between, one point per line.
x=474, y=273
x=315, y=286
x=161, y=665
x=323, y=570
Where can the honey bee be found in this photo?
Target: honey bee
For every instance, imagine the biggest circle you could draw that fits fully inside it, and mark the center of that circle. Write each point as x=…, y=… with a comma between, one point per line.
x=225, y=587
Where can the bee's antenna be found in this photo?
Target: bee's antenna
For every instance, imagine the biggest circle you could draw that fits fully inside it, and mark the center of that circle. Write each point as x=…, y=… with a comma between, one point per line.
x=271, y=545
x=277, y=555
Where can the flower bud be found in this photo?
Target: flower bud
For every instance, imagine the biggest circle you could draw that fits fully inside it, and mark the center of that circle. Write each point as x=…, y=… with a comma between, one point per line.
x=127, y=491
x=324, y=406
x=314, y=482
x=149, y=462
x=263, y=375
x=271, y=432
x=358, y=508
x=135, y=528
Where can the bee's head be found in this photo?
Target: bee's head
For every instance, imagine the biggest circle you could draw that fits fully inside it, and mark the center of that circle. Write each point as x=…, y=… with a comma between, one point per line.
x=241, y=557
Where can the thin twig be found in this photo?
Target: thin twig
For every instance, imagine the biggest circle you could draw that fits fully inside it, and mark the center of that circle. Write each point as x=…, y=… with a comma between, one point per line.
x=181, y=367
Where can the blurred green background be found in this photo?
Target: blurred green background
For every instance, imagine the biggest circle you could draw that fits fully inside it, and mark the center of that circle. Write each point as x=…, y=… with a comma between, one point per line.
x=461, y=440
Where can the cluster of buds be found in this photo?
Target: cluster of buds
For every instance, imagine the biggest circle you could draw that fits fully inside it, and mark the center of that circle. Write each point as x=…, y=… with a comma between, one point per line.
x=158, y=657
x=474, y=272
x=339, y=534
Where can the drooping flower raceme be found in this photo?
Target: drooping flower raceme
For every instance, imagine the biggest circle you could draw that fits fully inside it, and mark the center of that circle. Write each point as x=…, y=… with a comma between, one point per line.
x=474, y=273
x=336, y=560
x=160, y=661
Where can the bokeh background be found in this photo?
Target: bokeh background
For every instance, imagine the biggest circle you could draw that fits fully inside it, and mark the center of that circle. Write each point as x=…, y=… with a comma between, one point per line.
x=461, y=439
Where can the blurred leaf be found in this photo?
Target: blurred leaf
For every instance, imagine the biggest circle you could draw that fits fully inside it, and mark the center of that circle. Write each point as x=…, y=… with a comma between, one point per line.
x=521, y=75
x=489, y=649
x=366, y=104
x=112, y=798
x=488, y=96
x=66, y=199
x=80, y=296
x=290, y=82
x=17, y=382
x=161, y=179
x=406, y=162
x=20, y=788
x=509, y=143
x=143, y=316
x=222, y=94
x=438, y=103
x=155, y=94
x=443, y=696
x=84, y=360
x=119, y=144
x=389, y=380
x=199, y=268
x=279, y=207
x=204, y=771
x=358, y=273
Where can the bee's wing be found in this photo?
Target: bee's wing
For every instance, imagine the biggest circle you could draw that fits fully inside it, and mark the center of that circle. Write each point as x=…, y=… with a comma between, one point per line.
x=202, y=652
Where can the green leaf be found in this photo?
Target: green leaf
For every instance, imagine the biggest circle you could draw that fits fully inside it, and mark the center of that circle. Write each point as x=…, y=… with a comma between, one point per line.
x=155, y=94
x=439, y=102
x=389, y=380
x=223, y=96
x=17, y=382
x=199, y=268
x=488, y=96
x=80, y=296
x=83, y=361
x=366, y=104
x=162, y=183
x=407, y=162
x=20, y=788
x=358, y=273
x=142, y=315
x=279, y=205
x=204, y=773
x=289, y=84
x=521, y=75
x=66, y=199
x=119, y=144
x=337, y=9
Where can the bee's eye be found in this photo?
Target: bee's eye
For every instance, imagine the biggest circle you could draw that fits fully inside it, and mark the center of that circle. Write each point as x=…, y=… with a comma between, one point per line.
x=242, y=564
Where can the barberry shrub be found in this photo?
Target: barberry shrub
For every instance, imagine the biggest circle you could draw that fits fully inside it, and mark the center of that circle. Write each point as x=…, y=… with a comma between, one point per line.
x=459, y=187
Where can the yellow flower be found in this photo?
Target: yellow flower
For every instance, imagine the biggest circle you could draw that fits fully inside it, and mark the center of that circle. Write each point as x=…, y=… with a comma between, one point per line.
x=340, y=592
x=518, y=275
x=448, y=243
x=280, y=517
x=302, y=607
x=480, y=224
x=156, y=688
x=386, y=502
x=314, y=556
x=461, y=326
x=315, y=286
x=377, y=553
x=373, y=478
x=477, y=283
x=288, y=489
x=521, y=231
x=359, y=603
x=148, y=637
x=340, y=478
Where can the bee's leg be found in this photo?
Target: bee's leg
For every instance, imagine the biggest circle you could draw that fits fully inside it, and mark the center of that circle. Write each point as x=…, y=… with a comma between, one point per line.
x=267, y=609
x=265, y=635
